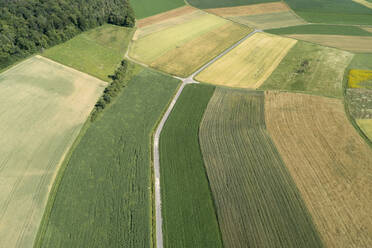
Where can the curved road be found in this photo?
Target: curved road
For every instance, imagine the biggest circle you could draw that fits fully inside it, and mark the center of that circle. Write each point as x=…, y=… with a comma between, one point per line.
x=185, y=81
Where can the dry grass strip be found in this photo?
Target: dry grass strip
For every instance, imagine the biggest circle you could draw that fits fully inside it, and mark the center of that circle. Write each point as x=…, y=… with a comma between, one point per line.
x=254, y=9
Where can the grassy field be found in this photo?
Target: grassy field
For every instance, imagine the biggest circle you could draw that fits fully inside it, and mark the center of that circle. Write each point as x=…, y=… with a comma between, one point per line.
x=97, y=52
x=43, y=106
x=189, y=218
x=310, y=68
x=257, y=202
x=207, y=4
x=146, y=8
x=249, y=64
x=321, y=29
x=183, y=44
x=366, y=3
x=103, y=198
x=331, y=11
x=366, y=126
x=330, y=163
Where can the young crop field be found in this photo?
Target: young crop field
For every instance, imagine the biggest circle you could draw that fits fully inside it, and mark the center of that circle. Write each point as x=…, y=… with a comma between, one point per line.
x=249, y=64
x=182, y=44
x=43, y=106
x=189, y=218
x=311, y=68
x=321, y=29
x=103, y=198
x=366, y=126
x=97, y=52
x=331, y=11
x=146, y=8
x=329, y=161
x=208, y=4
x=366, y=3
x=257, y=202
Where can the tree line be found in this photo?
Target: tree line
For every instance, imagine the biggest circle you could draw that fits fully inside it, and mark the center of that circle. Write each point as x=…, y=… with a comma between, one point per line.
x=29, y=26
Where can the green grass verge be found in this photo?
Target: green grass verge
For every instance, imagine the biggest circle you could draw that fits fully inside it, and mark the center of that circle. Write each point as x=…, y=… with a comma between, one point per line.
x=146, y=8
x=189, y=218
x=258, y=203
x=206, y=4
x=97, y=52
x=312, y=69
x=103, y=198
x=321, y=29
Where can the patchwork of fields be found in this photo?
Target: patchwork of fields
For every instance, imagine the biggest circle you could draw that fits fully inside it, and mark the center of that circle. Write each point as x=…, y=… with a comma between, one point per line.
x=184, y=42
x=330, y=163
x=249, y=64
x=189, y=218
x=258, y=204
x=43, y=106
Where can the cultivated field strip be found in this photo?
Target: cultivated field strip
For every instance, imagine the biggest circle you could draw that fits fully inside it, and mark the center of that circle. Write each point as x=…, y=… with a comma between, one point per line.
x=258, y=204
x=330, y=163
x=189, y=218
x=104, y=196
x=43, y=105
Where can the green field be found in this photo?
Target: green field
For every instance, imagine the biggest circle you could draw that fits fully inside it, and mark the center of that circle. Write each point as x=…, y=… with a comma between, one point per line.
x=207, y=4
x=361, y=61
x=331, y=11
x=189, y=218
x=257, y=201
x=103, y=198
x=321, y=29
x=43, y=106
x=146, y=8
x=310, y=68
x=97, y=52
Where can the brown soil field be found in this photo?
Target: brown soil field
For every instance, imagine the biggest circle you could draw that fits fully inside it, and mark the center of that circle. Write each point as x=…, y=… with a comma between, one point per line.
x=254, y=9
x=349, y=43
x=330, y=163
x=164, y=16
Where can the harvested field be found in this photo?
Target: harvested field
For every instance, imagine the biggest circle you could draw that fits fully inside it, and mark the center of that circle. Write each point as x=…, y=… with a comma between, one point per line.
x=165, y=16
x=146, y=8
x=255, y=9
x=181, y=45
x=189, y=218
x=311, y=68
x=268, y=21
x=330, y=163
x=97, y=52
x=360, y=44
x=258, y=204
x=104, y=196
x=366, y=126
x=249, y=64
x=364, y=2
x=43, y=106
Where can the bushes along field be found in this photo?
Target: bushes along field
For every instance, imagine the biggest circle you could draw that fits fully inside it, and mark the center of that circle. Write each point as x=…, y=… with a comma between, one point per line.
x=103, y=198
x=310, y=68
x=189, y=218
x=330, y=163
x=27, y=27
x=257, y=202
x=97, y=52
x=321, y=29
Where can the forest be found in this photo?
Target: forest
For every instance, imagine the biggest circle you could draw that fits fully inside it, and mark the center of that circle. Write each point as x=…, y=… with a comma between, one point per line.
x=29, y=26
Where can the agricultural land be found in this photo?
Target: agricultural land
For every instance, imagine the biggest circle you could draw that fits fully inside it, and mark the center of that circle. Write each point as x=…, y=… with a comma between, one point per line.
x=208, y=4
x=258, y=204
x=97, y=52
x=249, y=64
x=146, y=8
x=329, y=162
x=311, y=68
x=189, y=218
x=43, y=106
x=186, y=41
x=261, y=16
x=104, y=196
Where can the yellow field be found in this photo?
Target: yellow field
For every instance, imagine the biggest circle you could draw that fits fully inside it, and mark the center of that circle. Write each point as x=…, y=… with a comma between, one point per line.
x=329, y=161
x=349, y=43
x=358, y=77
x=366, y=126
x=254, y=9
x=43, y=106
x=249, y=64
x=182, y=44
x=364, y=2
